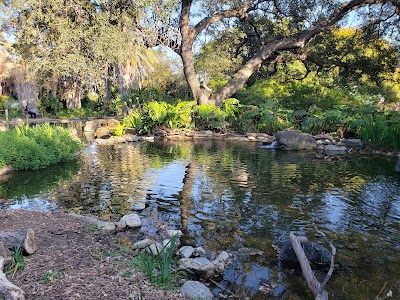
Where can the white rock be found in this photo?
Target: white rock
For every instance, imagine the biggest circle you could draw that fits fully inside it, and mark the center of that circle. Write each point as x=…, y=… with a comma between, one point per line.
x=202, y=260
x=132, y=220
x=186, y=251
x=142, y=244
x=155, y=248
x=172, y=232
x=196, y=290
x=199, y=251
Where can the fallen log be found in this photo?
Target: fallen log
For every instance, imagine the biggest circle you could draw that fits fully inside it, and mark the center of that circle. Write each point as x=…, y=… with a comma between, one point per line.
x=24, y=238
x=312, y=282
x=8, y=290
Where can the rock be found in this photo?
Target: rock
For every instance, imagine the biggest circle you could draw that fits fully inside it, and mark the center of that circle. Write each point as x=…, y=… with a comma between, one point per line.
x=102, y=133
x=172, y=232
x=397, y=167
x=199, y=251
x=105, y=141
x=202, y=260
x=208, y=132
x=142, y=244
x=155, y=248
x=103, y=225
x=337, y=149
x=131, y=221
x=355, y=144
x=132, y=138
x=315, y=253
x=92, y=125
x=295, y=140
x=166, y=243
x=186, y=251
x=138, y=205
x=119, y=139
x=5, y=170
x=146, y=138
x=204, y=267
x=196, y=290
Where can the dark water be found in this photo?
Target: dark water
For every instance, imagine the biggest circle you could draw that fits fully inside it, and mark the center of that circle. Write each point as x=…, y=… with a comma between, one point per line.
x=235, y=196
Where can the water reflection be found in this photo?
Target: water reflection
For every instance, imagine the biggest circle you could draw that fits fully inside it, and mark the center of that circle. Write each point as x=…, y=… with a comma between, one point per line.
x=229, y=196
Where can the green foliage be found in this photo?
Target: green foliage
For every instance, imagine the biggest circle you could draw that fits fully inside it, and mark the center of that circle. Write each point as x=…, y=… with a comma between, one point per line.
x=51, y=105
x=50, y=277
x=3, y=100
x=210, y=116
x=381, y=130
x=180, y=115
x=119, y=130
x=157, y=266
x=38, y=147
x=18, y=261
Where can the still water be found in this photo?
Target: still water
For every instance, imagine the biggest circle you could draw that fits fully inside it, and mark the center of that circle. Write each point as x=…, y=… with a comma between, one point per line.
x=234, y=196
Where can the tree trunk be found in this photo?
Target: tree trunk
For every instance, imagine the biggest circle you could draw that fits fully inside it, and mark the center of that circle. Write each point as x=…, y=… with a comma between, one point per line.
x=189, y=34
x=200, y=94
x=24, y=238
x=8, y=290
x=54, y=86
x=73, y=94
x=107, y=92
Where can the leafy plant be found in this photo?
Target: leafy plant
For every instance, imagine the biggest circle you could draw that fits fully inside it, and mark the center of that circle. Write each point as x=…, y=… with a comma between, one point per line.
x=18, y=261
x=157, y=266
x=165, y=258
x=119, y=130
x=209, y=116
x=50, y=277
x=37, y=147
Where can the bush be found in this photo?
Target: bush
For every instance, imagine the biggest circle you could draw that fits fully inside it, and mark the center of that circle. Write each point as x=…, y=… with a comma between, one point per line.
x=380, y=129
x=38, y=147
x=209, y=116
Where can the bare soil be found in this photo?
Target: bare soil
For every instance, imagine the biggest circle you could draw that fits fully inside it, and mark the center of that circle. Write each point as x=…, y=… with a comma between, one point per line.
x=73, y=262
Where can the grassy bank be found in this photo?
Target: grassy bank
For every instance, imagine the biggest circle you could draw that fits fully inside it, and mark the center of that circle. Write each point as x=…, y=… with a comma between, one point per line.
x=36, y=147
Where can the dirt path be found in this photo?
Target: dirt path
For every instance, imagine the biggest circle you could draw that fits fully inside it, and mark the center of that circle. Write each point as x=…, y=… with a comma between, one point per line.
x=73, y=262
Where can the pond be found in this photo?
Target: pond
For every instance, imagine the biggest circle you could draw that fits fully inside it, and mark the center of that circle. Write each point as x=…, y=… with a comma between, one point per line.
x=233, y=196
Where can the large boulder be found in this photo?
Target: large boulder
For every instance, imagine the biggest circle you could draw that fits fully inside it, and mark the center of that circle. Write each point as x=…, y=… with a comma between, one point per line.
x=355, y=144
x=295, y=140
x=315, y=253
x=92, y=125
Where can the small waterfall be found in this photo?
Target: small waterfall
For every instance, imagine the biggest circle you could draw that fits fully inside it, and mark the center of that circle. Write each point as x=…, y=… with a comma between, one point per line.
x=272, y=145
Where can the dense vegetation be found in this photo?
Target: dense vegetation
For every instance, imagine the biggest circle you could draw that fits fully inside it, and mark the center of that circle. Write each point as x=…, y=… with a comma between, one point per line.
x=37, y=147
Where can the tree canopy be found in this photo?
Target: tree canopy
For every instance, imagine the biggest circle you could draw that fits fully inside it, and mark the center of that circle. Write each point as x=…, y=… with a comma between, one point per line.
x=90, y=44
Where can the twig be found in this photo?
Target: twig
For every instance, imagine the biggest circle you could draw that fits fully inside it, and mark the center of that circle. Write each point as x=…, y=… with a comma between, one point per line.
x=332, y=265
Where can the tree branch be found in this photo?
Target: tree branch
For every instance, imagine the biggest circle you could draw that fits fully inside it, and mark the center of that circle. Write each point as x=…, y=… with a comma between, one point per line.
x=296, y=41
x=230, y=13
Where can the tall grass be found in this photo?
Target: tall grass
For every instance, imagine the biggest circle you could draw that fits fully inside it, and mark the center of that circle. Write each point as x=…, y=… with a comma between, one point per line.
x=381, y=130
x=37, y=147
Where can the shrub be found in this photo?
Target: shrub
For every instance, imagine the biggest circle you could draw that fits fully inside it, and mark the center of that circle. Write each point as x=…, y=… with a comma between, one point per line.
x=209, y=116
x=380, y=129
x=37, y=147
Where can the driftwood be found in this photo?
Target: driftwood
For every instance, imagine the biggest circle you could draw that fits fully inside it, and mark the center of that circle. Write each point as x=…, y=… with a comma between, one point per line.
x=24, y=238
x=312, y=282
x=8, y=290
